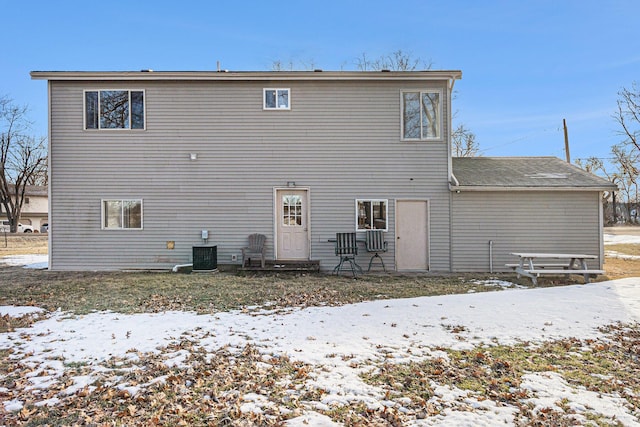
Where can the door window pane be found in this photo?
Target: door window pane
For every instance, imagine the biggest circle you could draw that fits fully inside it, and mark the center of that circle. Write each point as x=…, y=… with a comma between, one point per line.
x=292, y=210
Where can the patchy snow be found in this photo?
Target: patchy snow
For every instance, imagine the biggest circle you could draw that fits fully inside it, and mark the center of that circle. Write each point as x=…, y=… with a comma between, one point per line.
x=614, y=254
x=497, y=283
x=13, y=311
x=614, y=239
x=342, y=342
x=28, y=261
x=312, y=419
x=550, y=389
x=13, y=405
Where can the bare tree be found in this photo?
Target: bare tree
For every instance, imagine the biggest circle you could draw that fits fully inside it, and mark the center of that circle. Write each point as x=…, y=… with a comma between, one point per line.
x=628, y=115
x=596, y=166
x=626, y=154
x=592, y=165
x=278, y=65
x=301, y=65
x=23, y=159
x=626, y=160
x=395, y=61
x=463, y=142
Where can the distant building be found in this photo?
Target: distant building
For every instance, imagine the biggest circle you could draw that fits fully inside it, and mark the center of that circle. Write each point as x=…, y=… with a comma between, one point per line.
x=35, y=210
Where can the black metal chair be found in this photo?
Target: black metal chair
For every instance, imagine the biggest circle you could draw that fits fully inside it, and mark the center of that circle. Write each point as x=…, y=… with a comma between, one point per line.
x=347, y=249
x=375, y=243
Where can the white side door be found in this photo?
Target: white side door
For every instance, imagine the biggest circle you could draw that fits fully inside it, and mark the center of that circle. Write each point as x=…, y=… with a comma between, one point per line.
x=292, y=217
x=412, y=235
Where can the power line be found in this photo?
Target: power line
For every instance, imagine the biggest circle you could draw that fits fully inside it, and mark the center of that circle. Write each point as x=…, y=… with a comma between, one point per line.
x=520, y=139
x=597, y=158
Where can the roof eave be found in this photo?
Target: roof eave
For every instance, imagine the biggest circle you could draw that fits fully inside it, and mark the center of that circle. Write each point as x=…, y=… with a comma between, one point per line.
x=247, y=75
x=495, y=188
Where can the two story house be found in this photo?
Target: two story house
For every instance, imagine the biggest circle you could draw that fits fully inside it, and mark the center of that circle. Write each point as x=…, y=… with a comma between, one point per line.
x=142, y=162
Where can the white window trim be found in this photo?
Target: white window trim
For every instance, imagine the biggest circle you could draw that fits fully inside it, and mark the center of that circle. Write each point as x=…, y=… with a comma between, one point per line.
x=264, y=99
x=386, y=213
x=440, y=113
x=99, y=129
x=104, y=227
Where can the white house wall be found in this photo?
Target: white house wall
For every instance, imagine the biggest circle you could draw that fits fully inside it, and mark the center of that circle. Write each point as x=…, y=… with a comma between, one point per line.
x=341, y=140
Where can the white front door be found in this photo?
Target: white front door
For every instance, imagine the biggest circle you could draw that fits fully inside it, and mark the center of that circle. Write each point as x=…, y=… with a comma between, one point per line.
x=292, y=228
x=412, y=239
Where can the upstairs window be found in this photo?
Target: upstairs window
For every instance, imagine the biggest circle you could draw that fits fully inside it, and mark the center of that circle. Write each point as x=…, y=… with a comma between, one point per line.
x=114, y=109
x=422, y=115
x=276, y=99
x=121, y=214
x=371, y=215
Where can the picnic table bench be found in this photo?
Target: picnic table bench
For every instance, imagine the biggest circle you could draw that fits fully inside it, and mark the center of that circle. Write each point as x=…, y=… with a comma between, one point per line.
x=530, y=265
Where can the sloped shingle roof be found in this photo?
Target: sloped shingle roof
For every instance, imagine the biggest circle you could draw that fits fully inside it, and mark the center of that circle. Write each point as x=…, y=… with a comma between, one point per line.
x=33, y=190
x=524, y=173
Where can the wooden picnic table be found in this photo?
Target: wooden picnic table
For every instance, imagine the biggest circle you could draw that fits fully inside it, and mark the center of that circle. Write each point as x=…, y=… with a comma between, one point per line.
x=533, y=264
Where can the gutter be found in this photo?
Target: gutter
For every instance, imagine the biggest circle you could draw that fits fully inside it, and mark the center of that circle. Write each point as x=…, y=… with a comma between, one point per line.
x=470, y=188
x=450, y=75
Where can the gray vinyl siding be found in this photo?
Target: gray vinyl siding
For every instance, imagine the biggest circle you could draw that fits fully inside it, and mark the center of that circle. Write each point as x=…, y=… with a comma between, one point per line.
x=341, y=140
x=522, y=221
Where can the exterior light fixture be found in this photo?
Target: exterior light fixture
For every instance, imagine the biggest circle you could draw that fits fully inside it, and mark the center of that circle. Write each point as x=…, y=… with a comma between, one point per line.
x=193, y=156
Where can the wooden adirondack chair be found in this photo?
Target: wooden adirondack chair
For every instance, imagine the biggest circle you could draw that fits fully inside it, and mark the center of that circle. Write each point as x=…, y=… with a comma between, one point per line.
x=375, y=243
x=255, y=249
x=347, y=249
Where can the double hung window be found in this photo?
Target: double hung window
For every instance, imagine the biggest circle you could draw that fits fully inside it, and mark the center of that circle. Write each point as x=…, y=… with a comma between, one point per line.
x=114, y=109
x=121, y=214
x=422, y=115
x=371, y=214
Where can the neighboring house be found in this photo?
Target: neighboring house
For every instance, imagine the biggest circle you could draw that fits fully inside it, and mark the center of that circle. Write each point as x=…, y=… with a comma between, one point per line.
x=141, y=163
x=35, y=210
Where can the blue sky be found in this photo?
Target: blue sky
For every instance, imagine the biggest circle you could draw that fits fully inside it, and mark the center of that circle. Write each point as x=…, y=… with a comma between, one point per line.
x=526, y=64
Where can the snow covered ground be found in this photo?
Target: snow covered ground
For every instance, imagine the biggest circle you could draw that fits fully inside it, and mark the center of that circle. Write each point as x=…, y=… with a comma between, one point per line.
x=335, y=339
x=342, y=342
x=613, y=239
x=28, y=261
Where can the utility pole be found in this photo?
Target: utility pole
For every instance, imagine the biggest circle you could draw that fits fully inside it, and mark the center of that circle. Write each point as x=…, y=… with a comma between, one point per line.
x=566, y=140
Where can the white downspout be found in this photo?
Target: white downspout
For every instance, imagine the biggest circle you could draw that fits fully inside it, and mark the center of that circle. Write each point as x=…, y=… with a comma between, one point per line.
x=179, y=266
x=491, y=256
